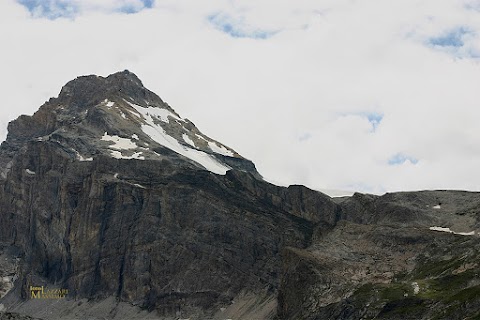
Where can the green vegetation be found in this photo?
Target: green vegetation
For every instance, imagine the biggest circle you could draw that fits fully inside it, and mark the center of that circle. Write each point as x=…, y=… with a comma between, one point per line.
x=465, y=295
x=447, y=292
x=437, y=268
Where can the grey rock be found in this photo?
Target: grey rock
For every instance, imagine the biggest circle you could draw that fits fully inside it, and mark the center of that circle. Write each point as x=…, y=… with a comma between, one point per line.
x=163, y=233
x=144, y=231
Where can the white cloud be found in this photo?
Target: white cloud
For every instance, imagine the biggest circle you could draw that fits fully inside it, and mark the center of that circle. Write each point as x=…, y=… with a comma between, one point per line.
x=329, y=66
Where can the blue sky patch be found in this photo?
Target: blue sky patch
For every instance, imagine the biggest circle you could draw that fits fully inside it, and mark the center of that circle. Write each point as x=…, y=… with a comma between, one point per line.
x=129, y=9
x=54, y=9
x=401, y=158
x=237, y=28
x=453, y=38
x=50, y=9
x=374, y=118
x=458, y=42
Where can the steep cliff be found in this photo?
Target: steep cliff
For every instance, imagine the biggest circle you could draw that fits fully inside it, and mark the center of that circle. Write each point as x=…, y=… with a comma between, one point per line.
x=107, y=193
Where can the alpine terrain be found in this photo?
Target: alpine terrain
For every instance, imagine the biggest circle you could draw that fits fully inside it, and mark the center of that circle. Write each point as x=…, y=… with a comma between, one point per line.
x=113, y=206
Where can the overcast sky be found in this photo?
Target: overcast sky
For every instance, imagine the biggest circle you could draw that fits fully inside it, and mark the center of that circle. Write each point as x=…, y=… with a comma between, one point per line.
x=367, y=95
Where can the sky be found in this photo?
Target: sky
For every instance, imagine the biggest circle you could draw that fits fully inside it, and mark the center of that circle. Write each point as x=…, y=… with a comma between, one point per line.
x=372, y=96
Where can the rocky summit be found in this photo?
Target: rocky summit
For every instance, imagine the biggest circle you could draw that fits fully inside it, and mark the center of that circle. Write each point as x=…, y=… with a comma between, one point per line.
x=113, y=206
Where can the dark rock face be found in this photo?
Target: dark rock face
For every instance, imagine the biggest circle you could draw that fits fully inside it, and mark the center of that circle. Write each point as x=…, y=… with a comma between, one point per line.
x=14, y=316
x=145, y=231
x=389, y=264
x=92, y=201
x=161, y=233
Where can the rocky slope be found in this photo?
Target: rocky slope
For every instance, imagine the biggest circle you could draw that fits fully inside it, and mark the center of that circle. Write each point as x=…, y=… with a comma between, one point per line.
x=392, y=262
x=107, y=192
x=118, y=117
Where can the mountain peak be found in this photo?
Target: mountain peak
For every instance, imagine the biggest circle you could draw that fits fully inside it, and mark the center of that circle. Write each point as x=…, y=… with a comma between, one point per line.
x=126, y=75
x=117, y=116
x=91, y=89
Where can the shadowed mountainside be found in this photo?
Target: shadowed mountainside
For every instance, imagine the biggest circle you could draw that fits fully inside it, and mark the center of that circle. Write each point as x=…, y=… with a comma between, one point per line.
x=107, y=192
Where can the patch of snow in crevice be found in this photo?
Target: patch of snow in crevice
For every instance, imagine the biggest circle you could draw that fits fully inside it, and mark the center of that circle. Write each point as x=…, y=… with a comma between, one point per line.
x=187, y=139
x=471, y=233
x=442, y=229
x=118, y=155
x=6, y=285
x=134, y=136
x=81, y=158
x=200, y=137
x=109, y=103
x=123, y=115
x=154, y=113
x=134, y=112
x=115, y=176
x=416, y=288
x=29, y=171
x=219, y=149
x=119, y=143
x=437, y=207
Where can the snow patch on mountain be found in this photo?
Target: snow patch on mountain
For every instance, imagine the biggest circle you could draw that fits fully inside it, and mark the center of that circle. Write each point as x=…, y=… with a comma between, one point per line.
x=82, y=158
x=442, y=229
x=158, y=134
x=109, y=103
x=119, y=143
x=219, y=149
x=119, y=155
x=200, y=137
x=132, y=110
x=187, y=139
x=153, y=112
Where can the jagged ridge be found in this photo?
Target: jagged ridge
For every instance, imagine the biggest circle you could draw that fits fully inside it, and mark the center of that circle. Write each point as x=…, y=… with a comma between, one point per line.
x=119, y=117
